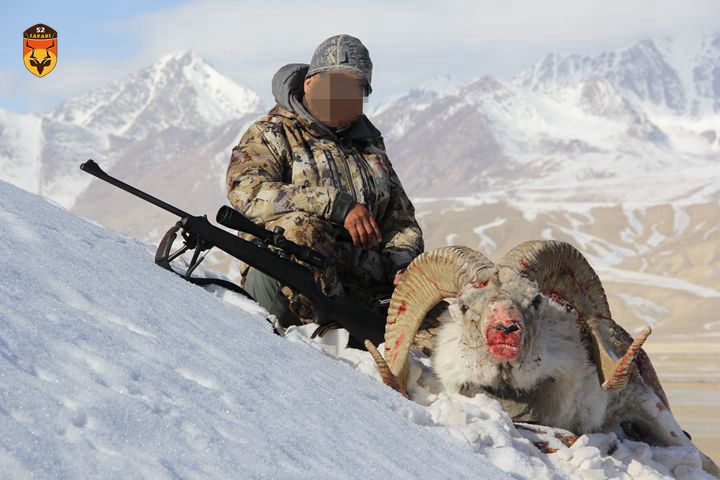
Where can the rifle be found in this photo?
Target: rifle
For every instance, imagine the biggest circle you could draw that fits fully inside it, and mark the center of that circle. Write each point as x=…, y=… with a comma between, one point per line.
x=271, y=253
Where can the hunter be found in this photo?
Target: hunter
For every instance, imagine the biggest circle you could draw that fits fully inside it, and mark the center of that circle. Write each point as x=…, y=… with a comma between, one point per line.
x=316, y=166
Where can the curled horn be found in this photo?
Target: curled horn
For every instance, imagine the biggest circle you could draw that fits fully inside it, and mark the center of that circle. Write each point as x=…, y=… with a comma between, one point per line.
x=27, y=44
x=560, y=268
x=386, y=374
x=432, y=276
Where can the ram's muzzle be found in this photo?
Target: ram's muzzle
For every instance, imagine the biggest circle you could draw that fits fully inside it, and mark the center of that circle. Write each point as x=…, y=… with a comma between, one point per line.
x=504, y=332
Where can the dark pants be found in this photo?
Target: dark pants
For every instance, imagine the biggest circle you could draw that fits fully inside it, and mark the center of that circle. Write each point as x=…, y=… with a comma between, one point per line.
x=266, y=291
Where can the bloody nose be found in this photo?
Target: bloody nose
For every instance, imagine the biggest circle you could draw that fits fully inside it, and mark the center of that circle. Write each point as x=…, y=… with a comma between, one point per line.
x=507, y=328
x=510, y=328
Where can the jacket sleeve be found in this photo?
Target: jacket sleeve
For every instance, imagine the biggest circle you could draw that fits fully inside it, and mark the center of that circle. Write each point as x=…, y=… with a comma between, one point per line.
x=402, y=236
x=258, y=180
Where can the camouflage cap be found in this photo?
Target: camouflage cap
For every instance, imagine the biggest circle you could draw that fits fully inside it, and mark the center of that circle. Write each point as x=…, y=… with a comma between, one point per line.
x=342, y=53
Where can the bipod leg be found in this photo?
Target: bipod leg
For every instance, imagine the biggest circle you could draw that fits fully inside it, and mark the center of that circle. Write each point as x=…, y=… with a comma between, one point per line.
x=163, y=257
x=196, y=260
x=172, y=257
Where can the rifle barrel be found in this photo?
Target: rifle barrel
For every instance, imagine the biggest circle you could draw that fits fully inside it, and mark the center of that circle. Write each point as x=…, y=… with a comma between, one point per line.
x=94, y=169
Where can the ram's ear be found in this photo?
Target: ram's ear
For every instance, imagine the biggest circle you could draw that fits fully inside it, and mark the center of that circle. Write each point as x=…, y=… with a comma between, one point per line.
x=539, y=302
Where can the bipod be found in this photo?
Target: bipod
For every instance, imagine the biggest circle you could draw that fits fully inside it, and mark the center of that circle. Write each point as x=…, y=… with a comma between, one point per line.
x=191, y=241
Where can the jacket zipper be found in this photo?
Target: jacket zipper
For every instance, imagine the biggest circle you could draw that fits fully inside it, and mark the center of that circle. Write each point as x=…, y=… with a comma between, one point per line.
x=367, y=178
x=349, y=177
x=333, y=169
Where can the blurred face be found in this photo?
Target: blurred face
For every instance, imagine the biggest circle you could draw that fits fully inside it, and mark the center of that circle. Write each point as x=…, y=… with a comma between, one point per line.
x=335, y=98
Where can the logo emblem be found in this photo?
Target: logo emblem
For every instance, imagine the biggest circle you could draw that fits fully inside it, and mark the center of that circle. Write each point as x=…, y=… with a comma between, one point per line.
x=40, y=46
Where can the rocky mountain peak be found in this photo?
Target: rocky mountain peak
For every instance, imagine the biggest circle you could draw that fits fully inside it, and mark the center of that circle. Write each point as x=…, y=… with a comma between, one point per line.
x=670, y=76
x=149, y=100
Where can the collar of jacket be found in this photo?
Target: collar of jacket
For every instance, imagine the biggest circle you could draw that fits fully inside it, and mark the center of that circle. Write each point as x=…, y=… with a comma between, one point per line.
x=287, y=88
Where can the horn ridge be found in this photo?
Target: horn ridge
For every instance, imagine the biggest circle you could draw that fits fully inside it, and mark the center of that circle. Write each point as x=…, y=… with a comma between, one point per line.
x=432, y=276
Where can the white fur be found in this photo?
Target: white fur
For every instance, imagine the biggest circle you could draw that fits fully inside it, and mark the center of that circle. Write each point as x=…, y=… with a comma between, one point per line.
x=573, y=401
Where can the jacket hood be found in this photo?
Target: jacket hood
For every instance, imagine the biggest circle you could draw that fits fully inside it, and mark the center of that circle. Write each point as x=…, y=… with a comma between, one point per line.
x=287, y=88
x=289, y=81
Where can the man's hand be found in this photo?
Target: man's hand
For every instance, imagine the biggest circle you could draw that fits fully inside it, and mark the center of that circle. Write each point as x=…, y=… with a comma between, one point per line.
x=362, y=227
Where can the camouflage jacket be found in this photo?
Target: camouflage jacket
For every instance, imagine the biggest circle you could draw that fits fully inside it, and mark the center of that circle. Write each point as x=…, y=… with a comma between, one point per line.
x=287, y=162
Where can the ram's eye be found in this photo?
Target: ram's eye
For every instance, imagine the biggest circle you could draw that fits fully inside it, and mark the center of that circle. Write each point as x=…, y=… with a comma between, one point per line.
x=463, y=308
x=537, y=301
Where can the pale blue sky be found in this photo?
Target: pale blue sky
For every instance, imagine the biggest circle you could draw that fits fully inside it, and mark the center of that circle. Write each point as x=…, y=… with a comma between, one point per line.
x=409, y=40
x=84, y=30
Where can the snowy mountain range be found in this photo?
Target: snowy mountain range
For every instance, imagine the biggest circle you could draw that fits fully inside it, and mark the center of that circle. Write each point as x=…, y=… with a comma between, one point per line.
x=149, y=123
x=589, y=127
x=570, y=124
x=670, y=75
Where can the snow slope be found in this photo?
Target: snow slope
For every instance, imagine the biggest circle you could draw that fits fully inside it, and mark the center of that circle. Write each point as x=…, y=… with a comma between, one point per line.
x=114, y=368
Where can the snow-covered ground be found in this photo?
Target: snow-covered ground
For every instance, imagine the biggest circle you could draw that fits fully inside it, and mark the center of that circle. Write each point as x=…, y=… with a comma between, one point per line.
x=111, y=367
